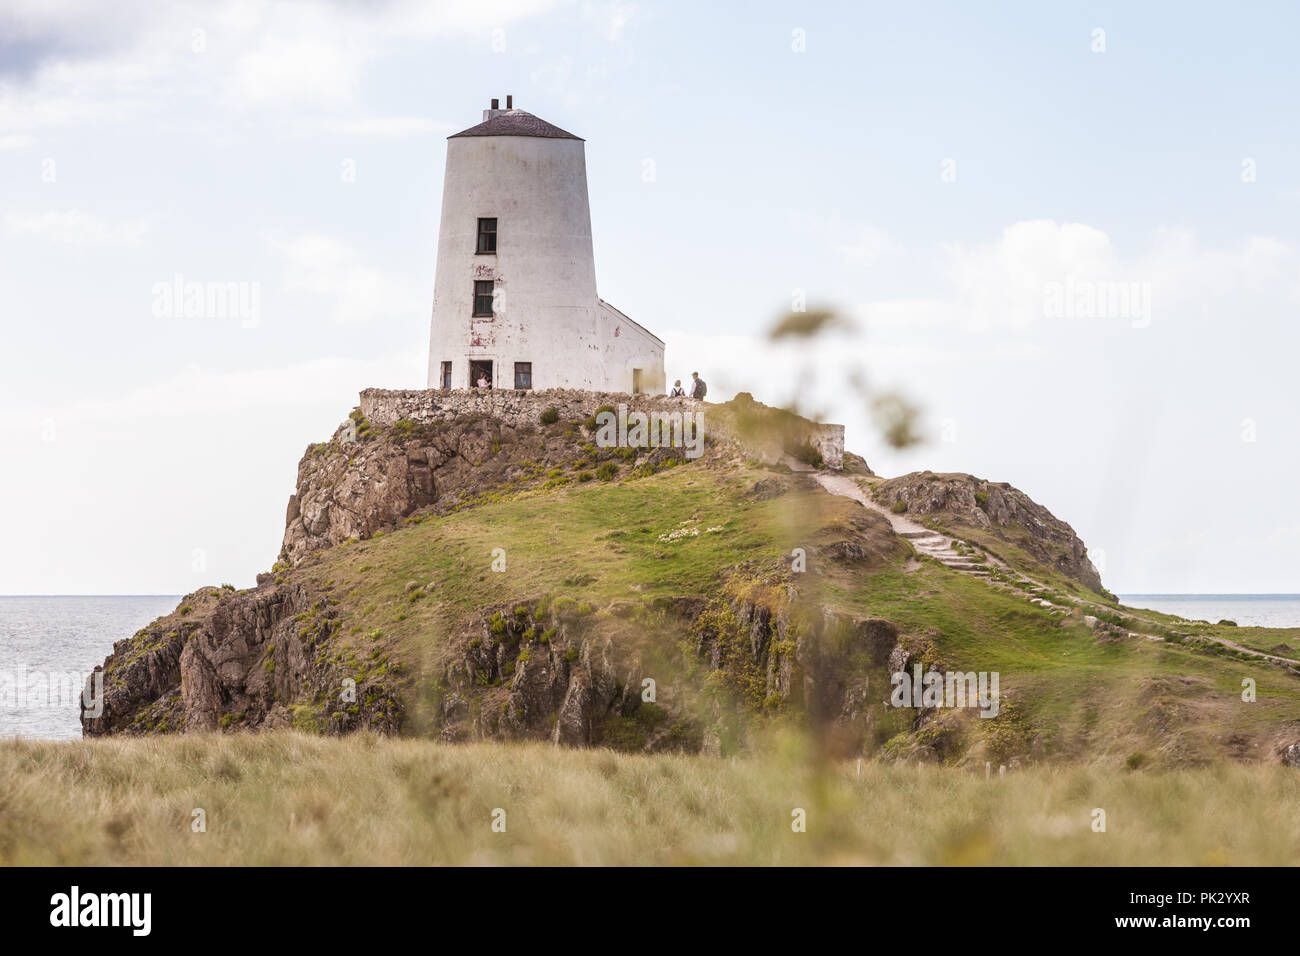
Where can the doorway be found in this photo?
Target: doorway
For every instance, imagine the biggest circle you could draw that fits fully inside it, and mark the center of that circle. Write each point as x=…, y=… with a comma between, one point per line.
x=480, y=369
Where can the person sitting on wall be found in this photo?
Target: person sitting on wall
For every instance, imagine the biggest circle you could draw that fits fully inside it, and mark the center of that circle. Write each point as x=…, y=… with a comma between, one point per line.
x=698, y=388
x=677, y=391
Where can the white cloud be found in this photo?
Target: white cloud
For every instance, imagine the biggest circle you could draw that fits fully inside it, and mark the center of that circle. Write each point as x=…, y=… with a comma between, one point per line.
x=124, y=486
x=1006, y=283
x=333, y=381
x=298, y=70
x=102, y=62
x=356, y=292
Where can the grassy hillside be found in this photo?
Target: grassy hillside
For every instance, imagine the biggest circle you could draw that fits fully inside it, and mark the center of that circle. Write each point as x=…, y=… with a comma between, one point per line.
x=285, y=798
x=599, y=554
x=537, y=604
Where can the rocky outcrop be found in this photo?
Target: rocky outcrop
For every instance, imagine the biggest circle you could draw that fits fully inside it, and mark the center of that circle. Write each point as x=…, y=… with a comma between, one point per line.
x=366, y=480
x=261, y=658
x=960, y=501
x=562, y=674
x=370, y=478
x=405, y=451
x=532, y=672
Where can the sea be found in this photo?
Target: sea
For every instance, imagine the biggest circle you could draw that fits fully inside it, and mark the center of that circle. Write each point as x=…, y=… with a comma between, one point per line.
x=50, y=645
x=1247, y=610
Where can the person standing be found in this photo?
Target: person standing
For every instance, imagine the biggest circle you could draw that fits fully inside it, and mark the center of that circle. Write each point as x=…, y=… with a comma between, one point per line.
x=677, y=391
x=698, y=388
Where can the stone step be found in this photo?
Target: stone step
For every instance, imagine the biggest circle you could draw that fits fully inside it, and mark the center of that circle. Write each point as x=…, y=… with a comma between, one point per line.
x=914, y=535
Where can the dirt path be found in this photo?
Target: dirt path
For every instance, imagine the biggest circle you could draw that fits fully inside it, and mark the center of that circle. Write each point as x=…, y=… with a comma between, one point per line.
x=956, y=555
x=949, y=551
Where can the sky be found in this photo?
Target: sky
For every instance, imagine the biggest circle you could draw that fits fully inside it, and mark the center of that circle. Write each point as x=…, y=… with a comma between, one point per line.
x=1068, y=232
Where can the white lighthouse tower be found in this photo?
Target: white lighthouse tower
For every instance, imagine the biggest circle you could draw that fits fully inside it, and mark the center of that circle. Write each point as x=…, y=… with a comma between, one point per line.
x=514, y=297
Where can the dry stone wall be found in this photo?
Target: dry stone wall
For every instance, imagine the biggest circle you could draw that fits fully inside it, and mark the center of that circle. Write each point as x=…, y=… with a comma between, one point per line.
x=523, y=407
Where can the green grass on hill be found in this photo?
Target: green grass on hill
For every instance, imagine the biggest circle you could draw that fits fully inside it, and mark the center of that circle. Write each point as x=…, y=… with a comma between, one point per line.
x=1071, y=695
x=594, y=542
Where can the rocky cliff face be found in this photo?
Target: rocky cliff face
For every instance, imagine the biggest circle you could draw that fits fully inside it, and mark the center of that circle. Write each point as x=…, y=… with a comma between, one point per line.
x=369, y=478
x=261, y=658
x=960, y=501
x=542, y=672
x=539, y=671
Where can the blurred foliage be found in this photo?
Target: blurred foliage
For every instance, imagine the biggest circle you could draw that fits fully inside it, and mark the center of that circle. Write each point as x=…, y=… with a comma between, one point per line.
x=897, y=420
x=806, y=325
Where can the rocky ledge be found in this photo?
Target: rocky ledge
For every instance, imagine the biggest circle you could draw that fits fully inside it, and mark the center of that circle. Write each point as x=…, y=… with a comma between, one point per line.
x=961, y=502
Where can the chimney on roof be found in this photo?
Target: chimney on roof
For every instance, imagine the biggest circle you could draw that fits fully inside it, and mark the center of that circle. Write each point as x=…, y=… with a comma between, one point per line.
x=496, y=104
x=493, y=110
x=510, y=101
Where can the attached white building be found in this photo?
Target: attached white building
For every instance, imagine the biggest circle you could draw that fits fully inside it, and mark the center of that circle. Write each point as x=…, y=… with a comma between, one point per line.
x=514, y=297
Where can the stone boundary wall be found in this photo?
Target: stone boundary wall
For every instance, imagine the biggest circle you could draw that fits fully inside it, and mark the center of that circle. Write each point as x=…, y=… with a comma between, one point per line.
x=518, y=407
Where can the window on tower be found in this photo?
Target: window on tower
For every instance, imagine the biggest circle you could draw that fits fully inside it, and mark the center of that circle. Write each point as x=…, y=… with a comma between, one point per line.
x=487, y=237
x=523, y=375
x=446, y=375
x=482, y=298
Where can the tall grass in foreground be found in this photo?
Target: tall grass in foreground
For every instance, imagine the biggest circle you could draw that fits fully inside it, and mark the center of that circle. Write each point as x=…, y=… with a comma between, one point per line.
x=285, y=798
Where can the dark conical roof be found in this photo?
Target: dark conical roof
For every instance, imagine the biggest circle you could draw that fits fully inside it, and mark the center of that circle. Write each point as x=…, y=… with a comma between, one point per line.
x=515, y=123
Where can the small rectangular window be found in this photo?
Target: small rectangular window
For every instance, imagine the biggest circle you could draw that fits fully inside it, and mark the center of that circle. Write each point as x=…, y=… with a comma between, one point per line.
x=482, y=298
x=446, y=375
x=523, y=375
x=487, y=237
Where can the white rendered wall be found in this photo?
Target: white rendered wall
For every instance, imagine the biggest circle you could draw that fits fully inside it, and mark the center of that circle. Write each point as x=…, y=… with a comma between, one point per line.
x=547, y=311
x=627, y=346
